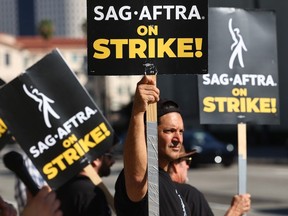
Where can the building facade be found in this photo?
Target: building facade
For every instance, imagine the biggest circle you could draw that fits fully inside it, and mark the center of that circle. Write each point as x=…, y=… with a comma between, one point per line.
x=20, y=17
x=8, y=17
x=17, y=54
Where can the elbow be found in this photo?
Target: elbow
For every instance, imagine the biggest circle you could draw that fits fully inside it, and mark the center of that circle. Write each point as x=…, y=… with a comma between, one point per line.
x=136, y=187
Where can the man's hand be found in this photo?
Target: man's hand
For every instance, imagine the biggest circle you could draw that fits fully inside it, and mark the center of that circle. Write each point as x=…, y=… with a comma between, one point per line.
x=44, y=203
x=7, y=209
x=240, y=205
x=146, y=93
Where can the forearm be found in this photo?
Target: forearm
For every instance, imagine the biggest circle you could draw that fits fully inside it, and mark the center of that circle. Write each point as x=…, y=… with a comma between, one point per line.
x=135, y=148
x=135, y=158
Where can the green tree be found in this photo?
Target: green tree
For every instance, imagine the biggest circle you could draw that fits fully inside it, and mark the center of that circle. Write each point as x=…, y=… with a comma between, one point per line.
x=46, y=29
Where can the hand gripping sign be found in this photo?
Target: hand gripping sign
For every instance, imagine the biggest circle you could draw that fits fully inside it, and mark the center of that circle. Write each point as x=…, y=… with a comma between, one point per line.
x=54, y=119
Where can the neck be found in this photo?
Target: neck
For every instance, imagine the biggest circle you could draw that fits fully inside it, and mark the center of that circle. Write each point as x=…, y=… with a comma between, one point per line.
x=163, y=165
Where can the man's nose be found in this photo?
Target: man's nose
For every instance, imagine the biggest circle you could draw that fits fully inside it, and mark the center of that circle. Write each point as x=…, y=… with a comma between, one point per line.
x=178, y=135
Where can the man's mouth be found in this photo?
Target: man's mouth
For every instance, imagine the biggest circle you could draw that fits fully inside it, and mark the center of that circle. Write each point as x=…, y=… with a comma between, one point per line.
x=174, y=144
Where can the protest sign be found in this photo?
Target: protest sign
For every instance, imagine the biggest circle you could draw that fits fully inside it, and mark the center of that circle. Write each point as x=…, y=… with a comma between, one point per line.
x=125, y=36
x=3, y=128
x=242, y=84
x=5, y=135
x=54, y=119
x=4, y=132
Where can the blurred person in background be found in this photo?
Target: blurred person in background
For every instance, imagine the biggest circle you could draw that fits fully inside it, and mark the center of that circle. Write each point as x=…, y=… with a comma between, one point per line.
x=178, y=171
x=80, y=196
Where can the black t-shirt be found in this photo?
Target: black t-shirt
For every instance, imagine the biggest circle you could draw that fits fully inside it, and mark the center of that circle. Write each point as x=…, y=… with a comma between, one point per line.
x=171, y=202
x=80, y=197
x=196, y=201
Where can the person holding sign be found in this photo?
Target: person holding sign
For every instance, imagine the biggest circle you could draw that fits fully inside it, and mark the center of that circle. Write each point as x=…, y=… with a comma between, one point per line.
x=131, y=187
x=80, y=186
x=240, y=204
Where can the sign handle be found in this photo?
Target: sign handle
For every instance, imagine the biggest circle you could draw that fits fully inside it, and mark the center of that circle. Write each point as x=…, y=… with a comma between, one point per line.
x=96, y=179
x=152, y=148
x=242, y=158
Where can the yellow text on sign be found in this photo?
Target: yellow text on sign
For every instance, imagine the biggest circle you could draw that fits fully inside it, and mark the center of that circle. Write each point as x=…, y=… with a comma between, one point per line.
x=147, y=48
x=3, y=128
x=75, y=149
x=239, y=103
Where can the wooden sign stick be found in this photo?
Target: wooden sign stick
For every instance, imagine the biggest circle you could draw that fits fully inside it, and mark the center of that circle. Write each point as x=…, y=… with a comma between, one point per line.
x=242, y=158
x=152, y=148
x=96, y=179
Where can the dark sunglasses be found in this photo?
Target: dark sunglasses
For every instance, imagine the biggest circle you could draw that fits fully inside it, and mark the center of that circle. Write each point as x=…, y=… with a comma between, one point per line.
x=188, y=160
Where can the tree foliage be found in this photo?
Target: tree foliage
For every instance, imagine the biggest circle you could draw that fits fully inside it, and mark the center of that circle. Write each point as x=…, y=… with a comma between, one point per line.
x=46, y=29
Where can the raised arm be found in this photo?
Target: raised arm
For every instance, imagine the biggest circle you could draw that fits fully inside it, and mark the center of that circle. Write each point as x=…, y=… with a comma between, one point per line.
x=135, y=149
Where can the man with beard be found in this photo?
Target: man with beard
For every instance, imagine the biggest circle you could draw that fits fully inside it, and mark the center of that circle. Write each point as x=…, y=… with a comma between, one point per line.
x=80, y=196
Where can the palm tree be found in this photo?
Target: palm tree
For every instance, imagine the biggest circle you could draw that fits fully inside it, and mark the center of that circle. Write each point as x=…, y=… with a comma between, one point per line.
x=46, y=29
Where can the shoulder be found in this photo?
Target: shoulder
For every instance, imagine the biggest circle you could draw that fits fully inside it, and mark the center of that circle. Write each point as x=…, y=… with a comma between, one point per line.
x=189, y=191
x=184, y=186
x=78, y=184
